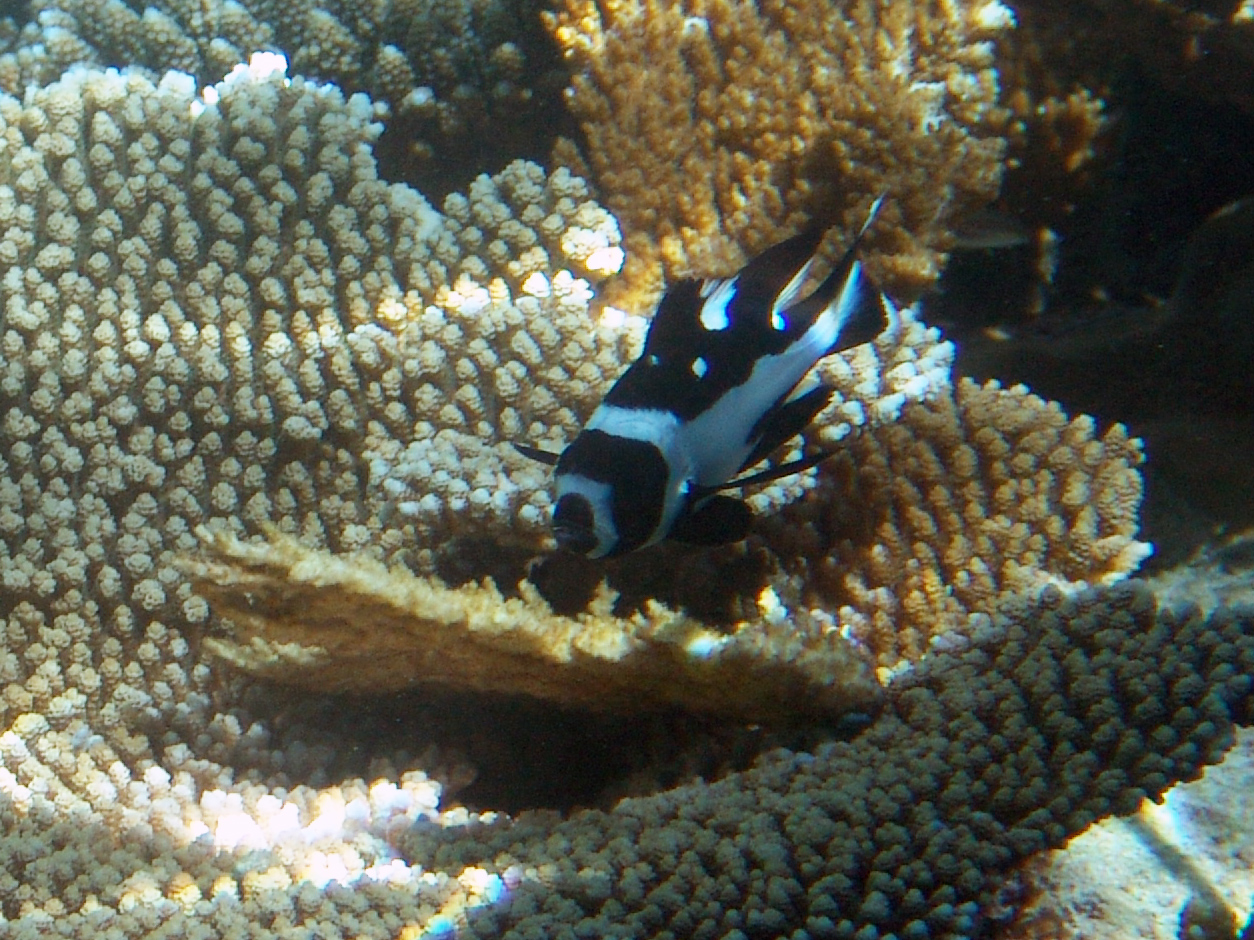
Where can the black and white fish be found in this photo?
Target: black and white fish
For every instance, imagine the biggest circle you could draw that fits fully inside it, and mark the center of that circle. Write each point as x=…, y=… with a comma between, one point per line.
x=714, y=392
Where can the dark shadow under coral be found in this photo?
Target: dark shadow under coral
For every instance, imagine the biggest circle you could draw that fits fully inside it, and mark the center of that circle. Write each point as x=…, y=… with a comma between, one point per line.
x=512, y=753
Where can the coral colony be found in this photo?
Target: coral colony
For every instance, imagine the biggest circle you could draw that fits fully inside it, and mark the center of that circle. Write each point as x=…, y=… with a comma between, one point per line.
x=255, y=398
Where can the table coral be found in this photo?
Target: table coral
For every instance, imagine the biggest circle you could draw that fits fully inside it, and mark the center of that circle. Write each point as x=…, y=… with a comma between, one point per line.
x=1059, y=713
x=192, y=282
x=203, y=325
x=1051, y=716
x=253, y=338
x=918, y=529
x=714, y=129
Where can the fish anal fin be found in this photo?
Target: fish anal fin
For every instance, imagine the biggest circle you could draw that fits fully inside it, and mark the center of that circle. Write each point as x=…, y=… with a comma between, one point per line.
x=786, y=422
x=717, y=520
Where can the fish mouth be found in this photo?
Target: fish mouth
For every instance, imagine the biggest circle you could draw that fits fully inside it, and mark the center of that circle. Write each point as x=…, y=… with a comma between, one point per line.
x=576, y=539
x=574, y=525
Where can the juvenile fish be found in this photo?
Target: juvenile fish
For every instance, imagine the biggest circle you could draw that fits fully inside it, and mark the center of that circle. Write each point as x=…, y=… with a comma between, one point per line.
x=714, y=393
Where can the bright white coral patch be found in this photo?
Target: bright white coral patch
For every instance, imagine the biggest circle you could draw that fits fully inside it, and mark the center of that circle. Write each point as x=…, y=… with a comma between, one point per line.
x=317, y=836
x=262, y=66
x=605, y=261
x=995, y=15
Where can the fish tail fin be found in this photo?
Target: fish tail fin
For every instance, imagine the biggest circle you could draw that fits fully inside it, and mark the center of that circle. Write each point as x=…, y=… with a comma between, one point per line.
x=848, y=296
x=860, y=311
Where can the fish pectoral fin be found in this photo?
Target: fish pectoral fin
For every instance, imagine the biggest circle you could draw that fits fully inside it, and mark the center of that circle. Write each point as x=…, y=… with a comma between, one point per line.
x=786, y=422
x=535, y=453
x=717, y=520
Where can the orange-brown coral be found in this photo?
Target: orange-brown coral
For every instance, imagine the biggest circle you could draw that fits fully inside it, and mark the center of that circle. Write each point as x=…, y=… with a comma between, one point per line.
x=715, y=128
x=1204, y=48
x=1058, y=69
x=971, y=497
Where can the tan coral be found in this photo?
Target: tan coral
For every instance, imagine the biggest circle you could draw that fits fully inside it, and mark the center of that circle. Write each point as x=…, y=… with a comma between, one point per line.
x=201, y=309
x=198, y=289
x=295, y=343
x=985, y=755
x=716, y=128
x=334, y=624
x=286, y=341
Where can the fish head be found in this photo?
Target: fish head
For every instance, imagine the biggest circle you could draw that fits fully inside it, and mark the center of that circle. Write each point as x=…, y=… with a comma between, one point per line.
x=614, y=495
x=576, y=528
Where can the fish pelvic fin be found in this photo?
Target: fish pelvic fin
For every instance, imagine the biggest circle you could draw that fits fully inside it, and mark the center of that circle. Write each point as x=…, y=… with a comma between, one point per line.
x=548, y=458
x=715, y=520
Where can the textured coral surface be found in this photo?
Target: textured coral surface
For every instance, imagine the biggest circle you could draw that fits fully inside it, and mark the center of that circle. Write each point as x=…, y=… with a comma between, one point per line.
x=919, y=529
x=217, y=313
x=714, y=129
x=1185, y=862
x=1057, y=715
x=969, y=498
x=471, y=85
x=329, y=623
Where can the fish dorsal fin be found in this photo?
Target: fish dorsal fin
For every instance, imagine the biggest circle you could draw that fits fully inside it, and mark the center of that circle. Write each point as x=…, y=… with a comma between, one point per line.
x=716, y=312
x=707, y=335
x=769, y=283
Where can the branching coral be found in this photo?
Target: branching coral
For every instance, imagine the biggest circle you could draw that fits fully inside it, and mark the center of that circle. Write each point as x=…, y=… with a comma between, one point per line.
x=969, y=498
x=713, y=129
x=205, y=326
x=1203, y=49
